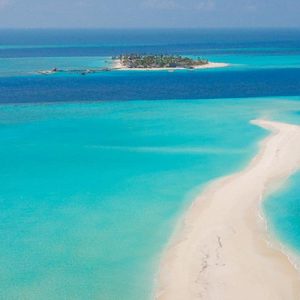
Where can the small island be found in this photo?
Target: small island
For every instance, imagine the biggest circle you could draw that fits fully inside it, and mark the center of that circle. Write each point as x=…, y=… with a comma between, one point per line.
x=161, y=62
x=143, y=63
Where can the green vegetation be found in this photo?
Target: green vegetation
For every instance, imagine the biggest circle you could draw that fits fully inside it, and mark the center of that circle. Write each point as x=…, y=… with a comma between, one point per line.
x=136, y=61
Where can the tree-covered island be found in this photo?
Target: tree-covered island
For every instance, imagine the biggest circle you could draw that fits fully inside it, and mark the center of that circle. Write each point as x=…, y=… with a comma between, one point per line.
x=136, y=61
x=142, y=62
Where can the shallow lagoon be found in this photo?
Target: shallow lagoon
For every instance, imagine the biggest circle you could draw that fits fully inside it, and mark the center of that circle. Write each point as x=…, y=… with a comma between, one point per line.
x=90, y=193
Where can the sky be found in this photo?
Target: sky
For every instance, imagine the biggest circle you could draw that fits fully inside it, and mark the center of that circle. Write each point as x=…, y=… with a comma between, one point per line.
x=148, y=13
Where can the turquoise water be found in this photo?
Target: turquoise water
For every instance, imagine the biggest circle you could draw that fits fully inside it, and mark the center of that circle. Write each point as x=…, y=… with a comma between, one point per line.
x=283, y=213
x=31, y=65
x=90, y=193
x=250, y=61
x=23, y=66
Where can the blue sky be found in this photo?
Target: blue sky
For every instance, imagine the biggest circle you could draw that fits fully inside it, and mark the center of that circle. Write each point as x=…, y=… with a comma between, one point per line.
x=149, y=13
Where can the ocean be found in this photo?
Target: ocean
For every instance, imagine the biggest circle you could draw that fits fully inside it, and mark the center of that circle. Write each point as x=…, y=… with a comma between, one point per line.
x=96, y=170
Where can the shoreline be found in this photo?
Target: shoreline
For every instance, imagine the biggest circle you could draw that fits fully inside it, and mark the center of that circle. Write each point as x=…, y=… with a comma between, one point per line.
x=222, y=249
x=117, y=66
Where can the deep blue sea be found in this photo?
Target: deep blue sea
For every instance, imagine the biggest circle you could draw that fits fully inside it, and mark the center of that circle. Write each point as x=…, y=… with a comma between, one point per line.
x=264, y=63
x=95, y=170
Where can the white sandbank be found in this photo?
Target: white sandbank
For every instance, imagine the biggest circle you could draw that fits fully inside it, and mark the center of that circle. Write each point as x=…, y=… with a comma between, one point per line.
x=118, y=66
x=221, y=250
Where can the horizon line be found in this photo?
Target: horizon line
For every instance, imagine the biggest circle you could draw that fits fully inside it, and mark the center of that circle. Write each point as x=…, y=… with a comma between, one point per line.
x=153, y=28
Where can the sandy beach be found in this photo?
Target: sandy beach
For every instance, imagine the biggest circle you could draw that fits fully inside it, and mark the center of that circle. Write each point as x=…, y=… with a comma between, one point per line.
x=221, y=249
x=118, y=66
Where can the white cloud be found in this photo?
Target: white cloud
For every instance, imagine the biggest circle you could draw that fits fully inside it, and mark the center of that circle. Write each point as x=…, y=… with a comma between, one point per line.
x=84, y=3
x=206, y=5
x=251, y=7
x=162, y=4
x=4, y=3
x=199, y=5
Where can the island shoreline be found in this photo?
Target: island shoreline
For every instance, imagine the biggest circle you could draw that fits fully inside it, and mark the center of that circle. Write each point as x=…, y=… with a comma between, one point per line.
x=202, y=261
x=118, y=66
